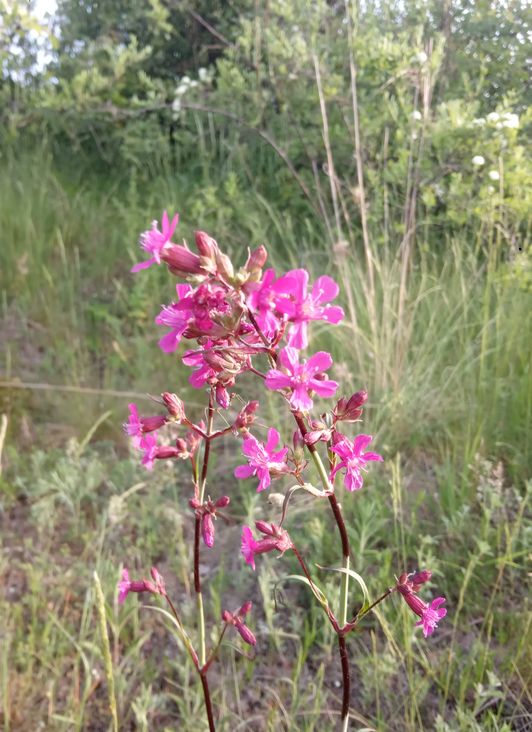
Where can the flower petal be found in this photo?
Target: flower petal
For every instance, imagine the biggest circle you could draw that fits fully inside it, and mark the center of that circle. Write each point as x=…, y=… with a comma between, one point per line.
x=143, y=265
x=297, y=335
x=170, y=341
x=325, y=388
x=273, y=439
x=293, y=283
x=320, y=361
x=373, y=456
x=324, y=289
x=289, y=359
x=276, y=379
x=333, y=314
x=300, y=399
x=265, y=480
x=244, y=471
x=361, y=442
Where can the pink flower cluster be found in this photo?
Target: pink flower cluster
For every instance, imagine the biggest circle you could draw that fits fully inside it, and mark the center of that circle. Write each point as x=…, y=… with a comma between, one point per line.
x=206, y=512
x=408, y=585
x=274, y=538
x=237, y=620
x=126, y=585
x=234, y=320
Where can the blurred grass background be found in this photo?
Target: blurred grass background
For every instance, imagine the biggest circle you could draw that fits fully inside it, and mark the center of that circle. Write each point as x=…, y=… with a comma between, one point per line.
x=343, y=139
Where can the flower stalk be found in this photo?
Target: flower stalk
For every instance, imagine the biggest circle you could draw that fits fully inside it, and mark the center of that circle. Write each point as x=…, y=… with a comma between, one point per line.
x=236, y=316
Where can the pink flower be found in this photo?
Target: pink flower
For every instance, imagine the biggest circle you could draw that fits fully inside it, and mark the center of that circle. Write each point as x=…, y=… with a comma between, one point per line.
x=275, y=538
x=408, y=586
x=246, y=416
x=261, y=301
x=174, y=405
x=431, y=615
x=237, y=619
x=302, y=378
x=218, y=364
x=299, y=307
x=350, y=410
x=206, y=512
x=154, y=241
x=148, y=443
x=176, y=318
x=262, y=459
x=137, y=426
x=206, y=311
x=125, y=586
x=353, y=460
x=182, y=262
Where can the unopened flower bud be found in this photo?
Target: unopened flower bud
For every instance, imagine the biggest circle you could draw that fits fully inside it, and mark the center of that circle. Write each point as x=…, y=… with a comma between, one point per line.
x=150, y=424
x=245, y=633
x=246, y=416
x=159, y=581
x=193, y=439
x=207, y=246
x=297, y=440
x=222, y=502
x=350, y=410
x=164, y=452
x=182, y=448
x=181, y=261
x=257, y=259
x=246, y=607
x=237, y=619
x=225, y=266
x=222, y=396
x=318, y=432
x=419, y=578
x=265, y=528
x=174, y=405
x=207, y=530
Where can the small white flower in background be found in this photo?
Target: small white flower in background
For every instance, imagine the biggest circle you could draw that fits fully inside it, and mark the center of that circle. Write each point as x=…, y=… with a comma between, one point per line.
x=494, y=175
x=493, y=117
x=421, y=57
x=491, y=189
x=479, y=122
x=416, y=114
x=478, y=160
x=203, y=74
x=511, y=120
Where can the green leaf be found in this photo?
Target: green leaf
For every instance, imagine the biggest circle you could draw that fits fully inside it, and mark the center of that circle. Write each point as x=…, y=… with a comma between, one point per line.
x=356, y=577
x=316, y=591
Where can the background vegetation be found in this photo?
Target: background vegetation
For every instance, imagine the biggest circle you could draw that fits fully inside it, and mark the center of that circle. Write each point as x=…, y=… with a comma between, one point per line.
x=381, y=142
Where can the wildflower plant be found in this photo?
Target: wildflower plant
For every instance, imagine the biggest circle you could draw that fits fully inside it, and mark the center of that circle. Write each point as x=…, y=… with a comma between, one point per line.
x=249, y=320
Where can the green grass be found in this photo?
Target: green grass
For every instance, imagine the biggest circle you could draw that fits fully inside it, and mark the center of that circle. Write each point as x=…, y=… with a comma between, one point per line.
x=447, y=366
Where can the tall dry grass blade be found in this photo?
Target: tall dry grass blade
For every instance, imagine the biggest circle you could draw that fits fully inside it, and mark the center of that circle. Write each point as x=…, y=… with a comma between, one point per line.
x=106, y=649
x=360, y=171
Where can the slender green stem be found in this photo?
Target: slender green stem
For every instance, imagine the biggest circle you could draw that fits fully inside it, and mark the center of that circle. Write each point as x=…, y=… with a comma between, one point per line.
x=197, y=530
x=344, y=583
x=361, y=614
x=208, y=703
x=201, y=630
x=344, y=586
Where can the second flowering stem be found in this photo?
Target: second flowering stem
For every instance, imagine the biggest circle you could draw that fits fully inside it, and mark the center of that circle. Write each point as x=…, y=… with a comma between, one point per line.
x=344, y=583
